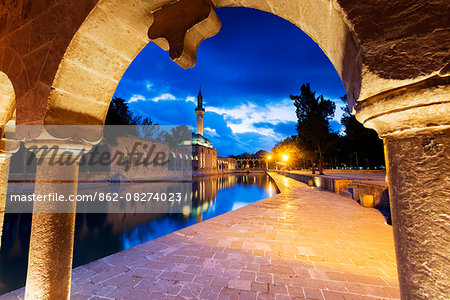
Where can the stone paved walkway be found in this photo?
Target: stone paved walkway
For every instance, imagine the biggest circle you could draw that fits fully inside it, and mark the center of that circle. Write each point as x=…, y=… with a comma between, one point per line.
x=301, y=243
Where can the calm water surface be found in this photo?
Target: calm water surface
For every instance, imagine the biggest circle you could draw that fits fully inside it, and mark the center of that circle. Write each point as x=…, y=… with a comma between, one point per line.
x=99, y=235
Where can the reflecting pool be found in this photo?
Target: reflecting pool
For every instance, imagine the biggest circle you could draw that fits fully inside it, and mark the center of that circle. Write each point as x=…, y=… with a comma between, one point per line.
x=100, y=234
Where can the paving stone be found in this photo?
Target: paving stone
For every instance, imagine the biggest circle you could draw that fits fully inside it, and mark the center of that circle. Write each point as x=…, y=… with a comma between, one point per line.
x=264, y=277
x=265, y=296
x=277, y=289
x=185, y=277
x=127, y=293
x=191, y=290
x=220, y=281
x=228, y=294
x=100, y=298
x=167, y=275
x=260, y=287
x=296, y=291
x=311, y=293
x=247, y=275
x=204, y=279
x=210, y=292
x=240, y=284
x=175, y=288
x=247, y=295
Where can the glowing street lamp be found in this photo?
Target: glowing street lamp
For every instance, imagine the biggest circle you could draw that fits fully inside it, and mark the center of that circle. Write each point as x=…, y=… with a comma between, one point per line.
x=269, y=157
x=284, y=157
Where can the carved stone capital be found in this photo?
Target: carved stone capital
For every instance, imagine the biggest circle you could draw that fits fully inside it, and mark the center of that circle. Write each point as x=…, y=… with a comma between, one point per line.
x=9, y=143
x=59, y=149
x=419, y=106
x=61, y=139
x=181, y=26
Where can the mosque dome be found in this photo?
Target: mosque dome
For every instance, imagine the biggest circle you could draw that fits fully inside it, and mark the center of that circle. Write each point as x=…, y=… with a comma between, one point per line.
x=198, y=139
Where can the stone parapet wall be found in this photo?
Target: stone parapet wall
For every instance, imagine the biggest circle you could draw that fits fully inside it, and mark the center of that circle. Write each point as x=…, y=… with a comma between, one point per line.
x=356, y=171
x=328, y=183
x=378, y=190
x=370, y=193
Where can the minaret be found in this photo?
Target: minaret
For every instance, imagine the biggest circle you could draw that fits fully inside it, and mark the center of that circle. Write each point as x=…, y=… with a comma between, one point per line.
x=200, y=111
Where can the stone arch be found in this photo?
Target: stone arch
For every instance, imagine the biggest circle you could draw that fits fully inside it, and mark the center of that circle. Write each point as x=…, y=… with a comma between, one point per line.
x=7, y=100
x=7, y=107
x=326, y=23
x=404, y=63
x=179, y=161
x=250, y=164
x=115, y=31
x=187, y=162
x=172, y=161
x=243, y=164
x=101, y=50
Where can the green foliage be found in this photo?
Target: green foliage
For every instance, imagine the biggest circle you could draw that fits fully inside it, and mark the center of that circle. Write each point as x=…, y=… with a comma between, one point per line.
x=356, y=147
x=291, y=147
x=178, y=135
x=246, y=155
x=361, y=145
x=120, y=114
x=313, y=115
x=261, y=153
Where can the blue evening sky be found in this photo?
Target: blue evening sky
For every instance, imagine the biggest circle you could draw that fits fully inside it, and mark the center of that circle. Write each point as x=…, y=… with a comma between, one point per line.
x=246, y=72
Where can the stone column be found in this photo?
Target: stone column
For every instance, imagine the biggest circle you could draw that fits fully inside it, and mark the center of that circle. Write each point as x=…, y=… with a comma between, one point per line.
x=8, y=146
x=53, y=224
x=415, y=124
x=4, y=172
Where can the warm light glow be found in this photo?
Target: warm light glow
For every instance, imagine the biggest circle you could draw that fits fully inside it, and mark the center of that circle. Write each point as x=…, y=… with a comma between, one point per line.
x=269, y=157
x=186, y=210
x=270, y=189
x=285, y=157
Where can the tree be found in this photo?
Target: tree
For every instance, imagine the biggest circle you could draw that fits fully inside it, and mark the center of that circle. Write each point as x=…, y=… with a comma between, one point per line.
x=363, y=146
x=178, y=135
x=244, y=155
x=261, y=154
x=120, y=114
x=290, y=147
x=313, y=115
x=334, y=150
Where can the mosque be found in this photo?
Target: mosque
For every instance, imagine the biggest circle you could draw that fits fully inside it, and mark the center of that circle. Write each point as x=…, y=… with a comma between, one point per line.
x=205, y=159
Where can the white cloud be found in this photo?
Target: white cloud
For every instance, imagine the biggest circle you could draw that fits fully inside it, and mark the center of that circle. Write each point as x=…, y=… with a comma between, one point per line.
x=211, y=131
x=248, y=114
x=148, y=85
x=191, y=99
x=164, y=97
x=136, y=98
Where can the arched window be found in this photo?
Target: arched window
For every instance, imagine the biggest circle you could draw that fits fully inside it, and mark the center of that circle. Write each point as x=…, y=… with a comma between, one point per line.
x=172, y=161
x=179, y=161
x=186, y=161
